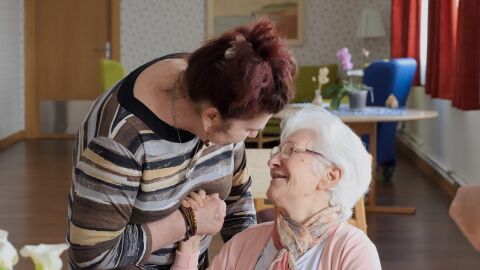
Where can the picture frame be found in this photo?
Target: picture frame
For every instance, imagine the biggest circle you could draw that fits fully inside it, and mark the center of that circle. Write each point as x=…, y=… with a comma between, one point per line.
x=223, y=15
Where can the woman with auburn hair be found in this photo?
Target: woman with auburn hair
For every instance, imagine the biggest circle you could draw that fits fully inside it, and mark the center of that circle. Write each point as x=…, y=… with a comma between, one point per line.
x=173, y=126
x=318, y=174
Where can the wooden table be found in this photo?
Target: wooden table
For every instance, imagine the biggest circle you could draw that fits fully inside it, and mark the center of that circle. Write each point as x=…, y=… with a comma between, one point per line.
x=365, y=123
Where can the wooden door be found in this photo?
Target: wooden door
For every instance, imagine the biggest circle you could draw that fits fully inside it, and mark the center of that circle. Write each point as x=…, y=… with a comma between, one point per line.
x=70, y=35
x=64, y=42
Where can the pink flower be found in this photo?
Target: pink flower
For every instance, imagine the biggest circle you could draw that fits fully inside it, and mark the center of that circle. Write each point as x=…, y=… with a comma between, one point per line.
x=347, y=65
x=345, y=58
x=343, y=53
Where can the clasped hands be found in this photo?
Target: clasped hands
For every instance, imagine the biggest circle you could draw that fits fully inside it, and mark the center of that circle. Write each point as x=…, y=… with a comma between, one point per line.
x=209, y=213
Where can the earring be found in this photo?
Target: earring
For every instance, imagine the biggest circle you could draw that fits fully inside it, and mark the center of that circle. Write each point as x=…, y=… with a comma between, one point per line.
x=207, y=141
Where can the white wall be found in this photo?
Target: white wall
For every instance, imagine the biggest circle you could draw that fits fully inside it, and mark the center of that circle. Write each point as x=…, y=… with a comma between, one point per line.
x=12, y=111
x=152, y=28
x=452, y=140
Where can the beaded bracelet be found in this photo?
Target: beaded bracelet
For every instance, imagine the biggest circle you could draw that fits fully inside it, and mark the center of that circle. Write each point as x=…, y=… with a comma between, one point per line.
x=193, y=220
x=190, y=221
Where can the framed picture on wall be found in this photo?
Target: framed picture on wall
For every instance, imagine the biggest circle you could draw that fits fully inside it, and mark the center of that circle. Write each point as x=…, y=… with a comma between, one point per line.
x=223, y=15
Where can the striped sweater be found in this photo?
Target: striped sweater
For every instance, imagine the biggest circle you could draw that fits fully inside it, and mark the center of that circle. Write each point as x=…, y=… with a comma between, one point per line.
x=130, y=169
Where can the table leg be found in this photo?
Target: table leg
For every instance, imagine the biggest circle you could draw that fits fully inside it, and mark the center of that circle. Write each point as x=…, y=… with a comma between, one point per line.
x=370, y=129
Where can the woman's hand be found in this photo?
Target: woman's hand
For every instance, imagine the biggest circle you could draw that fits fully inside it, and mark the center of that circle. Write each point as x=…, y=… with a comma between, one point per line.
x=210, y=215
x=209, y=212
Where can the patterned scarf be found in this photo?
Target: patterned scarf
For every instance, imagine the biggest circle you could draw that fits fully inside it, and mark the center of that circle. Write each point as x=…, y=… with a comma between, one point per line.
x=294, y=239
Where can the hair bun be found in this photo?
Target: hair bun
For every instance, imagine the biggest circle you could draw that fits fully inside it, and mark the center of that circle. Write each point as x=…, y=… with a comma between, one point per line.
x=264, y=38
x=243, y=72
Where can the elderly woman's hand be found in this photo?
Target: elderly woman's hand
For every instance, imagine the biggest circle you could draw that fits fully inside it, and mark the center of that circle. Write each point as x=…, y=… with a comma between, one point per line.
x=195, y=199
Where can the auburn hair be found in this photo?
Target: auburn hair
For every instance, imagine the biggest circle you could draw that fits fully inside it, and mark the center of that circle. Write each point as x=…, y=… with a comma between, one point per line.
x=254, y=76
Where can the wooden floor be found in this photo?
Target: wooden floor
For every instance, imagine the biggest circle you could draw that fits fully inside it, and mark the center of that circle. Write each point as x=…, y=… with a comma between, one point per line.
x=35, y=178
x=427, y=240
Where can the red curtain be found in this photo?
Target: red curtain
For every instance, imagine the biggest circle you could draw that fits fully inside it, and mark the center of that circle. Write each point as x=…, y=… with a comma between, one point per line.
x=442, y=26
x=467, y=74
x=405, y=38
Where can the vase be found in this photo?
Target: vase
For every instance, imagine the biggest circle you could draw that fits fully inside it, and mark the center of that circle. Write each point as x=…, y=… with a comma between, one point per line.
x=318, y=98
x=357, y=99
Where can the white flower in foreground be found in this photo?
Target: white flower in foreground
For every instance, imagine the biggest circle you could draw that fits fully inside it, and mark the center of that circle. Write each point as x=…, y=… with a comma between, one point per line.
x=45, y=257
x=8, y=253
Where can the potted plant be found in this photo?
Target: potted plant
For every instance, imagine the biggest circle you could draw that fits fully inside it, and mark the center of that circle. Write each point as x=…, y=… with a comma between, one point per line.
x=352, y=86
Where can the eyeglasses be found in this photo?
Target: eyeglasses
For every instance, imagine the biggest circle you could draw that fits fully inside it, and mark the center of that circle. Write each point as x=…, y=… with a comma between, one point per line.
x=286, y=151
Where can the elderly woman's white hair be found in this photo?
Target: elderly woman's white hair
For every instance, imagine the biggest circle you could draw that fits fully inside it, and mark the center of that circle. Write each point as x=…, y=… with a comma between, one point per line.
x=341, y=146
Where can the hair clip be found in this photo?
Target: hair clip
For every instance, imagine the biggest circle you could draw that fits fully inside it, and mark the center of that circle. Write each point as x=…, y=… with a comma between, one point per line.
x=230, y=52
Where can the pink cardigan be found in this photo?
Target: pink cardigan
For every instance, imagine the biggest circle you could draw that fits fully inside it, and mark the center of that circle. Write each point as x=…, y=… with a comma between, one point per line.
x=347, y=249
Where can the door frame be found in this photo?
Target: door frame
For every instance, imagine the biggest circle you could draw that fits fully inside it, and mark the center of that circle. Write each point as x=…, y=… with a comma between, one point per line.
x=32, y=113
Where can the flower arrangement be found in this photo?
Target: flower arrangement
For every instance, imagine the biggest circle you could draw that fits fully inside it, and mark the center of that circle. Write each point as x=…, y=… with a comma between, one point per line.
x=352, y=84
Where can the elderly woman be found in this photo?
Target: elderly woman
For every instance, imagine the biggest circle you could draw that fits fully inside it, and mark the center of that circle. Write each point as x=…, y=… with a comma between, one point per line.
x=318, y=173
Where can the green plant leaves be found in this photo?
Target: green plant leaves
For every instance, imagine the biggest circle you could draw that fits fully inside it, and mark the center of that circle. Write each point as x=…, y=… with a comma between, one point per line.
x=329, y=91
x=335, y=103
x=336, y=92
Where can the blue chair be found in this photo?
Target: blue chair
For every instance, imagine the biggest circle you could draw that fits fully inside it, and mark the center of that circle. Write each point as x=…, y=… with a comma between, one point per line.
x=389, y=77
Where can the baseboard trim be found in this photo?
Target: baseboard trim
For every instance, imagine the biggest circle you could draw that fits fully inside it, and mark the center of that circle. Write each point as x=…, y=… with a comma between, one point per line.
x=12, y=139
x=447, y=185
